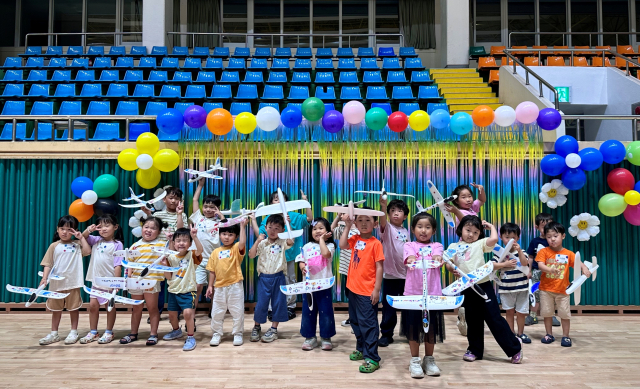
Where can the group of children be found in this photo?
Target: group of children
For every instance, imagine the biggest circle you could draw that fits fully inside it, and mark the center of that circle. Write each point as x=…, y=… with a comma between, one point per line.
x=211, y=252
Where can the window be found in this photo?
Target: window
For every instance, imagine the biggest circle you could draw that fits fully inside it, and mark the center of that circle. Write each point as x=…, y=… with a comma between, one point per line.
x=355, y=20
x=234, y=14
x=67, y=17
x=266, y=20
x=387, y=21
x=101, y=17
x=36, y=20
x=296, y=21
x=8, y=26
x=522, y=19
x=584, y=18
x=488, y=24
x=553, y=17
x=615, y=18
x=132, y=20
x=326, y=21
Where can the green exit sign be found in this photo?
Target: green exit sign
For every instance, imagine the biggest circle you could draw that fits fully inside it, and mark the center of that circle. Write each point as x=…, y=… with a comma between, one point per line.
x=563, y=94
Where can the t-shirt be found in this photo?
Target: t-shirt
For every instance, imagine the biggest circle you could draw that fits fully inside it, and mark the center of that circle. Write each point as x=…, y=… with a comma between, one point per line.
x=67, y=260
x=470, y=257
x=184, y=280
x=362, y=270
x=345, y=254
x=513, y=280
x=317, y=265
x=225, y=262
x=148, y=256
x=271, y=256
x=533, y=249
x=171, y=218
x=473, y=211
x=563, y=260
x=393, y=240
x=207, y=234
x=298, y=222
x=102, y=260
x=413, y=286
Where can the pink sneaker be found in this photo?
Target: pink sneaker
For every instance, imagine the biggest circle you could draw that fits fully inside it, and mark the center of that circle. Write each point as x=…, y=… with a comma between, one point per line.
x=469, y=356
x=517, y=359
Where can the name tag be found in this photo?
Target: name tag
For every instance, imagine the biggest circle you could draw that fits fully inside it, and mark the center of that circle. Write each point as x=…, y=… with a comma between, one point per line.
x=425, y=251
x=224, y=254
x=276, y=249
x=360, y=245
x=401, y=237
x=562, y=258
x=184, y=262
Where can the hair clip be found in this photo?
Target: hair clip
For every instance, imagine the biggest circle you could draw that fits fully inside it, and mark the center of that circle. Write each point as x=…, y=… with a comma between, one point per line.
x=313, y=223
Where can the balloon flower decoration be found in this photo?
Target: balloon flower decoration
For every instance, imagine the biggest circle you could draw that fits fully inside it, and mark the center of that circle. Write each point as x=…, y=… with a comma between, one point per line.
x=571, y=163
x=93, y=197
x=626, y=198
x=148, y=160
x=554, y=194
x=584, y=226
x=633, y=153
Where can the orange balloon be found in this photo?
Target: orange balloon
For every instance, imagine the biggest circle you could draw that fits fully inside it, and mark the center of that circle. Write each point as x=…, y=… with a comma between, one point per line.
x=80, y=210
x=219, y=121
x=482, y=116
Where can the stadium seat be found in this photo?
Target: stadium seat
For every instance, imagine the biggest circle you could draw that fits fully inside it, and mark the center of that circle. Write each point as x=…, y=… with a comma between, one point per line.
x=169, y=63
x=386, y=52
x=247, y=92
x=213, y=64
x=350, y=93
x=99, y=108
x=421, y=77
x=107, y=132
x=302, y=78
x=498, y=51
x=109, y=76
x=137, y=129
x=127, y=108
x=124, y=63
x=487, y=63
x=154, y=107
x=182, y=78
x=477, y=51
x=203, y=52
x=296, y=105
x=580, y=61
x=302, y=64
x=206, y=78
x=391, y=64
x=521, y=53
x=192, y=63
x=428, y=92
x=329, y=107
x=53, y=51
x=345, y=52
x=170, y=92
x=272, y=105
x=91, y=90
x=14, y=108
x=531, y=61
x=413, y=64
x=346, y=64
x=44, y=131
x=298, y=92
x=373, y=78
x=385, y=106
x=34, y=63
x=158, y=76
x=273, y=92
x=280, y=64
x=321, y=78
x=144, y=91
x=238, y=108
x=37, y=76
x=237, y=64
x=582, y=52
x=597, y=61
x=555, y=52
x=182, y=107
x=179, y=51
x=56, y=63
x=42, y=108
x=625, y=50
x=116, y=51
x=60, y=76
x=70, y=108
x=262, y=52
x=259, y=64
x=408, y=108
x=85, y=76
x=13, y=90
x=325, y=93
x=402, y=93
x=118, y=90
x=324, y=52
x=283, y=52
x=211, y=106
x=12, y=63
x=407, y=52
x=378, y=93
x=229, y=78
x=195, y=92
x=348, y=78
x=78, y=134
x=95, y=51
x=622, y=64
x=140, y=51
x=222, y=52
x=32, y=51
x=13, y=75
x=555, y=61
x=494, y=77
x=221, y=92
x=21, y=131
x=535, y=52
x=240, y=52
x=102, y=63
x=369, y=64
x=278, y=78
x=397, y=77
x=303, y=52
x=133, y=76
x=39, y=90
x=366, y=52
x=433, y=106
x=65, y=90
x=80, y=63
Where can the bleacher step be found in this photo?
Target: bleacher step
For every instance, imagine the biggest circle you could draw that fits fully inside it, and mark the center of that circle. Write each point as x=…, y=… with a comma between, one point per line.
x=473, y=100
x=455, y=75
x=469, y=107
x=472, y=88
x=467, y=94
x=457, y=80
x=461, y=70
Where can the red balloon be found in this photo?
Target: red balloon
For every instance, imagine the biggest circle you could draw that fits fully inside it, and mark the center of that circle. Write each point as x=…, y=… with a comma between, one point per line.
x=620, y=181
x=398, y=121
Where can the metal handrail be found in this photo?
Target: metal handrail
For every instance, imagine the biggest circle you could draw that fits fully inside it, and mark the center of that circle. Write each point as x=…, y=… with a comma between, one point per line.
x=578, y=118
x=571, y=33
x=534, y=74
x=82, y=34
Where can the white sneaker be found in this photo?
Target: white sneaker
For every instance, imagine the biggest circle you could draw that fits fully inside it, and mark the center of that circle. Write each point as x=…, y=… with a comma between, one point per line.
x=415, y=369
x=49, y=339
x=345, y=323
x=462, y=322
x=71, y=338
x=105, y=338
x=215, y=340
x=88, y=338
x=429, y=366
x=238, y=340
x=310, y=343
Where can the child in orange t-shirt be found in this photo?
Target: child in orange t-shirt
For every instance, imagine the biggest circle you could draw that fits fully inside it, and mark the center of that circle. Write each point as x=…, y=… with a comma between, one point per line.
x=555, y=261
x=363, y=284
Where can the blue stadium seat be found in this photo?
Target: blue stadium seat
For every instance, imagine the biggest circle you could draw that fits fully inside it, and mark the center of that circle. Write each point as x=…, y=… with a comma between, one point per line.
x=386, y=52
x=322, y=78
x=420, y=77
x=325, y=93
x=56, y=63
x=346, y=64
x=13, y=90
x=237, y=64
x=366, y=52
x=44, y=132
x=297, y=105
x=182, y=106
x=75, y=51
x=144, y=91
x=302, y=64
x=78, y=134
x=37, y=76
x=137, y=129
x=13, y=75
x=118, y=90
x=21, y=131
x=238, y=108
x=107, y=132
x=283, y=52
x=102, y=63
x=162, y=137
x=14, y=108
x=53, y=51
x=192, y=63
x=129, y=108
x=247, y=92
x=280, y=64
x=408, y=108
x=39, y=90
x=324, y=64
x=195, y=92
x=41, y=108
x=169, y=63
x=348, y=78
x=124, y=63
x=182, y=78
x=304, y=53
x=391, y=64
x=206, y=78
x=324, y=52
x=91, y=90
x=298, y=92
x=99, y=108
x=211, y=106
x=154, y=107
x=34, y=63
x=350, y=93
x=402, y=93
x=95, y=51
x=378, y=93
x=133, y=76
x=369, y=64
x=221, y=92
x=262, y=52
x=240, y=52
x=277, y=78
x=396, y=77
x=80, y=63
x=158, y=76
x=273, y=92
x=201, y=52
x=385, y=106
x=413, y=64
x=138, y=51
x=32, y=51
x=345, y=52
x=213, y=64
x=109, y=76
x=158, y=51
x=86, y=76
x=303, y=78
x=65, y=90
x=407, y=52
x=60, y=76
x=229, y=78
x=12, y=62
x=147, y=63
x=170, y=92
x=116, y=51
x=70, y=108
x=257, y=64
x=272, y=105
x=222, y=52
x=180, y=51
x=329, y=107
x=428, y=93
x=253, y=78
x=372, y=78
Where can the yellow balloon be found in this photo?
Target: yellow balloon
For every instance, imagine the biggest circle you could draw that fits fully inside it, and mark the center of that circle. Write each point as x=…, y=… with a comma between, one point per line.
x=148, y=143
x=148, y=179
x=127, y=159
x=166, y=160
x=632, y=197
x=245, y=123
x=419, y=120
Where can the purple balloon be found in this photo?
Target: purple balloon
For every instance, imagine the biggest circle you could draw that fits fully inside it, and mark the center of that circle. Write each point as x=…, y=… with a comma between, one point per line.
x=195, y=116
x=549, y=119
x=333, y=121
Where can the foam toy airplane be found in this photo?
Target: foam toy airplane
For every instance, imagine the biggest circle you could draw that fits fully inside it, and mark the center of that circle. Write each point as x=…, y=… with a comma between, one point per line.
x=308, y=285
x=503, y=254
x=468, y=280
x=113, y=297
x=195, y=175
x=382, y=192
x=439, y=202
x=533, y=288
x=282, y=208
x=140, y=203
x=579, y=278
x=234, y=210
x=39, y=292
x=246, y=212
x=352, y=211
x=146, y=267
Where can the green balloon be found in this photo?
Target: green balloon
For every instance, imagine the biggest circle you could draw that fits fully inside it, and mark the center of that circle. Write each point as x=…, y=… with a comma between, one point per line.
x=612, y=204
x=105, y=185
x=376, y=118
x=313, y=109
x=633, y=153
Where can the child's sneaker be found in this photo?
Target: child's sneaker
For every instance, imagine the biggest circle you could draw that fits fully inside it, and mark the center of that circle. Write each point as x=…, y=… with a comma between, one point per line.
x=524, y=338
x=50, y=338
x=346, y=323
x=530, y=320
x=310, y=343
x=238, y=340
x=175, y=334
x=71, y=338
x=462, y=322
x=469, y=356
x=88, y=338
x=326, y=344
x=429, y=366
x=517, y=359
x=547, y=339
x=105, y=338
x=415, y=369
x=566, y=342
x=215, y=340
x=270, y=335
x=255, y=334
x=189, y=344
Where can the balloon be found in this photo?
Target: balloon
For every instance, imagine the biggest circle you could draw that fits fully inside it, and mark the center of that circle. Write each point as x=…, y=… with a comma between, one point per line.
x=613, y=151
x=482, y=116
x=461, y=123
x=574, y=179
x=632, y=214
x=591, y=159
x=440, y=119
x=566, y=145
x=80, y=185
x=219, y=121
x=553, y=165
x=527, y=112
x=105, y=185
x=376, y=118
x=148, y=179
x=637, y=187
x=612, y=204
x=80, y=210
x=398, y=121
x=195, y=116
x=291, y=117
x=106, y=206
x=134, y=222
x=170, y=120
x=127, y=159
x=620, y=181
x=505, y=116
x=333, y=121
x=419, y=120
x=549, y=119
x=633, y=153
x=137, y=232
x=144, y=161
x=147, y=143
x=268, y=119
x=89, y=197
x=245, y=123
x=313, y=109
x=632, y=197
x=573, y=160
x=354, y=112
x=166, y=160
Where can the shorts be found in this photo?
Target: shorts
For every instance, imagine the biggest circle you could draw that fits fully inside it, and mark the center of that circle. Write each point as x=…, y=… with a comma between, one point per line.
x=139, y=292
x=535, y=277
x=202, y=275
x=518, y=300
x=72, y=302
x=101, y=300
x=550, y=301
x=181, y=301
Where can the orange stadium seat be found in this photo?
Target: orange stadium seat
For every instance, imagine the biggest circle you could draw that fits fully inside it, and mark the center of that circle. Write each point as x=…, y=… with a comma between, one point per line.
x=561, y=52
x=555, y=61
x=605, y=48
x=531, y=61
x=580, y=61
x=520, y=53
x=582, y=52
x=622, y=64
x=597, y=61
x=624, y=49
x=494, y=76
x=542, y=52
x=497, y=51
x=485, y=63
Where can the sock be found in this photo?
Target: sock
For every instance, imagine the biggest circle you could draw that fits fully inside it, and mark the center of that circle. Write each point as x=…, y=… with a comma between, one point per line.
x=75, y=332
x=533, y=314
x=275, y=329
x=94, y=332
x=256, y=326
x=110, y=332
x=54, y=333
x=190, y=335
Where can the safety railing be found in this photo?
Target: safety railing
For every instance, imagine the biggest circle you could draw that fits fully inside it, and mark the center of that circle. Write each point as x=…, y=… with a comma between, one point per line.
x=564, y=34
x=83, y=35
x=528, y=71
x=581, y=118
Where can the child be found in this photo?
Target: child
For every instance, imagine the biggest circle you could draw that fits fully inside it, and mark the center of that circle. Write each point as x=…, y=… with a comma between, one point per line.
x=316, y=259
x=225, y=274
x=338, y=227
x=469, y=256
x=149, y=240
x=423, y=226
x=363, y=283
x=272, y=269
x=66, y=256
x=393, y=236
x=182, y=284
x=297, y=222
x=555, y=261
x=514, y=285
x=102, y=264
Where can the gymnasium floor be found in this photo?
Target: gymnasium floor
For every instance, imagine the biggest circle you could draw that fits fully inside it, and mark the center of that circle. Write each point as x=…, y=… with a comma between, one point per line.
x=604, y=355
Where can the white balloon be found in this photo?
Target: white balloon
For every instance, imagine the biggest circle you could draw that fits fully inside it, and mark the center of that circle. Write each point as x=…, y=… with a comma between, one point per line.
x=505, y=116
x=137, y=232
x=89, y=197
x=134, y=222
x=144, y=161
x=354, y=112
x=268, y=119
x=139, y=214
x=573, y=160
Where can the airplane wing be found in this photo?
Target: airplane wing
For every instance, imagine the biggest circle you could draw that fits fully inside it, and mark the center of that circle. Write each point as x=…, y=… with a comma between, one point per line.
x=593, y=269
x=369, y=191
x=191, y=171
x=122, y=253
x=125, y=300
x=162, y=196
x=307, y=286
x=51, y=276
x=368, y=212
x=447, y=216
x=137, y=205
x=164, y=268
x=163, y=251
x=209, y=175
x=335, y=209
x=133, y=196
x=437, y=197
x=134, y=265
x=433, y=302
x=398, y=194
x=30, y=291
x=297, y=204
x=269, y=210
x=107, y=296
x=502, y=253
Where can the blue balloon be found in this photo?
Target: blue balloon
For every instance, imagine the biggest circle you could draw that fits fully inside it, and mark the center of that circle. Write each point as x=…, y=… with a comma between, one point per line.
x=613, y=151
x=637, y=187
x=440, y=119
x=461, y=123
x=81, y=185
x=553, y=165
x=566, y=145
x=549, y=119
x=574, y=179
x=591, y=159
x=170, y=121
x=291, y=117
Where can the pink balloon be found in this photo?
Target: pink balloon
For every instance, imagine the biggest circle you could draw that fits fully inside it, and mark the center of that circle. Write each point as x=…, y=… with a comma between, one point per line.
x=353, y=112
x=527, y=112
x=632, y=214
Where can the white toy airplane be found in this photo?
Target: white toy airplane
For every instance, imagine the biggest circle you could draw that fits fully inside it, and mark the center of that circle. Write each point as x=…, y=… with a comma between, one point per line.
x=39, y=292
x=439, y=202
x=468, y=280
x=112, y=297
x=533, y=288
x=196, y=175
x=382, y=192
x=246, y=212
x=146, y=267
x=308, y=285
x=352, y=211
x=234, y=210
x=282, y=208
x=140, y=203
x=503, y=254
x=579, y=278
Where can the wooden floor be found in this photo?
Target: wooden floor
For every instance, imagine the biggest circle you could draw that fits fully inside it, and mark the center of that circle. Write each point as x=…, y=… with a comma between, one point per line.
x=604, y=355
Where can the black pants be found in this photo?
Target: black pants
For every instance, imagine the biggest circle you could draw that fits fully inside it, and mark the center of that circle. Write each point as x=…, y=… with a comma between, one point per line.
x=364, y=322
x=477, y=312
x=390, y=287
